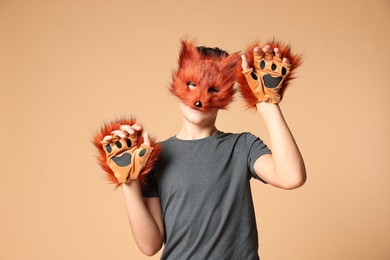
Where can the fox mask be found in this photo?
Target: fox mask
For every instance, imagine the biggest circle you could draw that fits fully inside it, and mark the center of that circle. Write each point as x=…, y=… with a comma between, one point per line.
x=204, y=82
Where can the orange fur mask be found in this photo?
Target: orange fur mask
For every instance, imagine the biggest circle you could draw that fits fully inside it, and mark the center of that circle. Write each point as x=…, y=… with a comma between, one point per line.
x=204, y=82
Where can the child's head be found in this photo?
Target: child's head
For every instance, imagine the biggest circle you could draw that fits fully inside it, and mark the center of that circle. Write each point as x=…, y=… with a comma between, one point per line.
x=212, y=52
x=205, y=77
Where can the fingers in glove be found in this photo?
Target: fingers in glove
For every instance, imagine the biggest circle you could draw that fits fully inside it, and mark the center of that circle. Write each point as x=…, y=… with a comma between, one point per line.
x=251, y=77
x=254, y=83
x=286, y=62
x=126, y=128
x=145, y=135
x=107, y=139
x=278, y=55
x=268, y=52
x=136, y=127
x=118, y=133
x=258, y=55
x=130, y=132
x=286, y=67
x=244, y=63
x=277, y=52
x=130, y=129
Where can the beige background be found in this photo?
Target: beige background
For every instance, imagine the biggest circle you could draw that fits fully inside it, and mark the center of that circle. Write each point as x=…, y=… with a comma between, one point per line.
x=68, y=66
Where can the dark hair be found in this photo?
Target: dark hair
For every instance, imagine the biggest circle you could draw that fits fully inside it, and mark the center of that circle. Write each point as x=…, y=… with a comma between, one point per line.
x=212, y=52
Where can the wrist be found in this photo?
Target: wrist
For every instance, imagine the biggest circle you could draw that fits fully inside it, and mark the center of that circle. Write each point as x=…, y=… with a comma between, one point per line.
x=270, y=112
x=265, y=107
x=131, y=187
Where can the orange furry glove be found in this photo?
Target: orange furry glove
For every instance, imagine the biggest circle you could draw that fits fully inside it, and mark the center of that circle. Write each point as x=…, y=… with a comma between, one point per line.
x=122, y=154
x=125, y=158
x=268, y=73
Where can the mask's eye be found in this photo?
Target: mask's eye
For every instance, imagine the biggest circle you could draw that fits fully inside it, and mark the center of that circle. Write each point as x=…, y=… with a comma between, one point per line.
x=213, y=90
x=191, y=85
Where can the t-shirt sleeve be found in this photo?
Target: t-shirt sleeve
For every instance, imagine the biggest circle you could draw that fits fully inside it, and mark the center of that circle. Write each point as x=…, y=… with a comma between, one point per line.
x=255, y=149
x=150, y=187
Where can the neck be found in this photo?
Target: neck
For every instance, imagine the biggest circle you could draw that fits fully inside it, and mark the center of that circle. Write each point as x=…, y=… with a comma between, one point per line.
x=191, y=131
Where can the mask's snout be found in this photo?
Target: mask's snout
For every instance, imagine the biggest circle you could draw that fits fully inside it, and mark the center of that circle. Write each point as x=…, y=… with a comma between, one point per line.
x=198, y=104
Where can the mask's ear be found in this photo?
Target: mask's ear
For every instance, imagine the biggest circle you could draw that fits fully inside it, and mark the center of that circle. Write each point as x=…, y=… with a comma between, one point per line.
x=188, y=52
x=229, y=64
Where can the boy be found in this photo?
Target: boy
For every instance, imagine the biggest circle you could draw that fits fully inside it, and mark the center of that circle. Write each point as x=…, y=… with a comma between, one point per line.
x=198, y=200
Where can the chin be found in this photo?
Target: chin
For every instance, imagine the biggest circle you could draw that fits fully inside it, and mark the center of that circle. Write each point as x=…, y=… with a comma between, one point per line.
x=198, y=117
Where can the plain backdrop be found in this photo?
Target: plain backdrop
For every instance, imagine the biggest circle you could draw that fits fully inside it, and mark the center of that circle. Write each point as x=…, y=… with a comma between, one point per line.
x=68, y=66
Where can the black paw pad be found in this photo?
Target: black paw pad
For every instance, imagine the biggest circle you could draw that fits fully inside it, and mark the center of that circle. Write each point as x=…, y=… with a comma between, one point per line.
x=271, y=82
x=128, y=142
x=142, y=153
x=262, y=64
x=253, y=75
x=123, y=160
x=284, y=71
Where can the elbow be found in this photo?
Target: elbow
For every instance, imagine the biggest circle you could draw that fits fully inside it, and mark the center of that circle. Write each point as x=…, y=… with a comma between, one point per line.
x=150, y=250
x=298, y=181
x=294, y=184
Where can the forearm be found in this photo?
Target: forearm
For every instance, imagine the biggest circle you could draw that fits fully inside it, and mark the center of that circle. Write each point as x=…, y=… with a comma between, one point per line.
x=288, y=164
x=147, y=231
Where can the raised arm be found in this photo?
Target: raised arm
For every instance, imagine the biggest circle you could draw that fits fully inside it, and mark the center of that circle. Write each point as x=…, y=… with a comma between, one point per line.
x=266, y=76
x=285, y=168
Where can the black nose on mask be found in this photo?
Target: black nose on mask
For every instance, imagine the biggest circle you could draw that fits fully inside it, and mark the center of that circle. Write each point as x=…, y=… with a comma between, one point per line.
x=198, y=104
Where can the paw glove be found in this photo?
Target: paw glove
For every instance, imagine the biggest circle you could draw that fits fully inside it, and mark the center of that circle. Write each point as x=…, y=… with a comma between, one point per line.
x=125, y=159
x=268, y=76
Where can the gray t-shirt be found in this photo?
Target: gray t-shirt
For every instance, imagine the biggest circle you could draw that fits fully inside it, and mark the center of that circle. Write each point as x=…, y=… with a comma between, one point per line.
x=206, y=200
